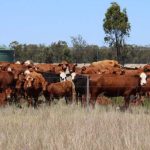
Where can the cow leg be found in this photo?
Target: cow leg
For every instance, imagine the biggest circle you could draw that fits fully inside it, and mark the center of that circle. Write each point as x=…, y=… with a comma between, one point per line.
x=68, y=98
x=51, y=99
x=83, y=101
x=30, y=102
x=80, y=99
x=17, y=96
x=126, y=103
x=77, y=98
x=73, y=97
x=93, y=100
x=35, y=100
x=47, y=98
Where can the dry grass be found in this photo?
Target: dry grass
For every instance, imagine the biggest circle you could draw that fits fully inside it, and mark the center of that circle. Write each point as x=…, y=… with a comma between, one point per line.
x=71, y=128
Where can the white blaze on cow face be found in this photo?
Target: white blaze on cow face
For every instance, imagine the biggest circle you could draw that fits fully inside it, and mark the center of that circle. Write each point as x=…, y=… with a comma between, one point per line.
x=143, y=78
x=27, y=72
x=73, y=75
x=18, y=62
x=9, y=69
x=67, y=71
x=29, y=80
x=63, y=76
x=27, y=62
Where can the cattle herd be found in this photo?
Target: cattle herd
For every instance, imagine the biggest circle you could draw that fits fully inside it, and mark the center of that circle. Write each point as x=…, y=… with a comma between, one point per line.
x=76, y=84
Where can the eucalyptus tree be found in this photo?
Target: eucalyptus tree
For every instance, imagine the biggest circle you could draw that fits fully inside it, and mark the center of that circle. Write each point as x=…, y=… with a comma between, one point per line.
x=116, y=27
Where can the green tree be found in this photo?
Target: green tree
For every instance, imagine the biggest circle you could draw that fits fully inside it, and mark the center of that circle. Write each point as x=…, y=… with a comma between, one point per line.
x=116, y=26
x=79, y=44
x=17, y=48
x=60, y=51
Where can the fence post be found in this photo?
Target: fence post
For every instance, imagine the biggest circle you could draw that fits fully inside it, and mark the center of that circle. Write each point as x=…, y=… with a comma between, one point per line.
x=87, y=92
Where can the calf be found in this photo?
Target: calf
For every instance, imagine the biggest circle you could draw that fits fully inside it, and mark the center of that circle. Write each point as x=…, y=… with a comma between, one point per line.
x=80, y=83
x=58, y=90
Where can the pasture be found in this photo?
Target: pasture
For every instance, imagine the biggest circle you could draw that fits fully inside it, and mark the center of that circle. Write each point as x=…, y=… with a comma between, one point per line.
x=71, y=127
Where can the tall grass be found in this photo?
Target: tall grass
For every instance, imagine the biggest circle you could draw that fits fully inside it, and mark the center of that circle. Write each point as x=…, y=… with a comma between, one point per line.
x=62, y=127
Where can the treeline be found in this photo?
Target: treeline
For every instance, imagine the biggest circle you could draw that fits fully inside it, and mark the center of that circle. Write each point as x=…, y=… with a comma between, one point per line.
x=80, y=52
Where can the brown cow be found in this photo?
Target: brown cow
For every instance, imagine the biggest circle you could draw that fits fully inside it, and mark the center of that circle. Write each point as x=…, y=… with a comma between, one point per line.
x=19, y=89
x=44, y=67
x=106, y=63
x=4, y=96
x=33, y=86
x=116, y=85
x=58, y=90
x=16, y=69
x=51, y=68
x=6, y=80
x=90, y=70
x=3, y=65
x=132, y=71
x=101, y=70
x=32, y=75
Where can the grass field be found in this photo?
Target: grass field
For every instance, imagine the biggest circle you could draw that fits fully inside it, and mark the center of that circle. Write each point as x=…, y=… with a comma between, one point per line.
x=62, y=127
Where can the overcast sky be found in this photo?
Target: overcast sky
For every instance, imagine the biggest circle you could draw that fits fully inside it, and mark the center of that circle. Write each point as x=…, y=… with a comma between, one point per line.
x=47, y=21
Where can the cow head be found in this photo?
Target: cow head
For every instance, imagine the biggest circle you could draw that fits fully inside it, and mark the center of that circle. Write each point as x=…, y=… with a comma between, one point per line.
x=63, y=76
x=9, y=69
x=17, y=62
x=143, y=78
x=67, y=71
x=72, y=67
x=73, y=75
x=29, y=81
x=20, y=81
x=27, y=72
x=8, y=93
x=15, y=72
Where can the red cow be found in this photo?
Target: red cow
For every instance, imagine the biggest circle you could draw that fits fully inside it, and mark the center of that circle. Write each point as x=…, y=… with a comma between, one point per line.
x=58, y=90
x=116, y=85
x=4, y=96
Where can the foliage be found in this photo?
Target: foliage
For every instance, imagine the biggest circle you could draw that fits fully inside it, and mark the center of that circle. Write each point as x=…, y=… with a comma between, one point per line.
x=58, y=51
x=116, y=27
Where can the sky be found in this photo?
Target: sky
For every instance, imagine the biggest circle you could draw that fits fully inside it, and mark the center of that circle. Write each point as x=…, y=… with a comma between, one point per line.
x=47, y=21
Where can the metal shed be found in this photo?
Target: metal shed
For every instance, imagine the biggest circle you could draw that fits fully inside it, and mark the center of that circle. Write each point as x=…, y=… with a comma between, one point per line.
x=7, y=54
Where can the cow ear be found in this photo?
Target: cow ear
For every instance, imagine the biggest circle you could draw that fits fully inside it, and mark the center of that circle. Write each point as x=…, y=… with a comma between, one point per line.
x=75, y=64
x=60, y=64
x=146, y=70
x=148, y=76
x=83, y=68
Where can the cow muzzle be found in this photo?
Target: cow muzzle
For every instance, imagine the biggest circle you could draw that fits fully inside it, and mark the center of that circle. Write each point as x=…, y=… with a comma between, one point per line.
x=8, y=97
